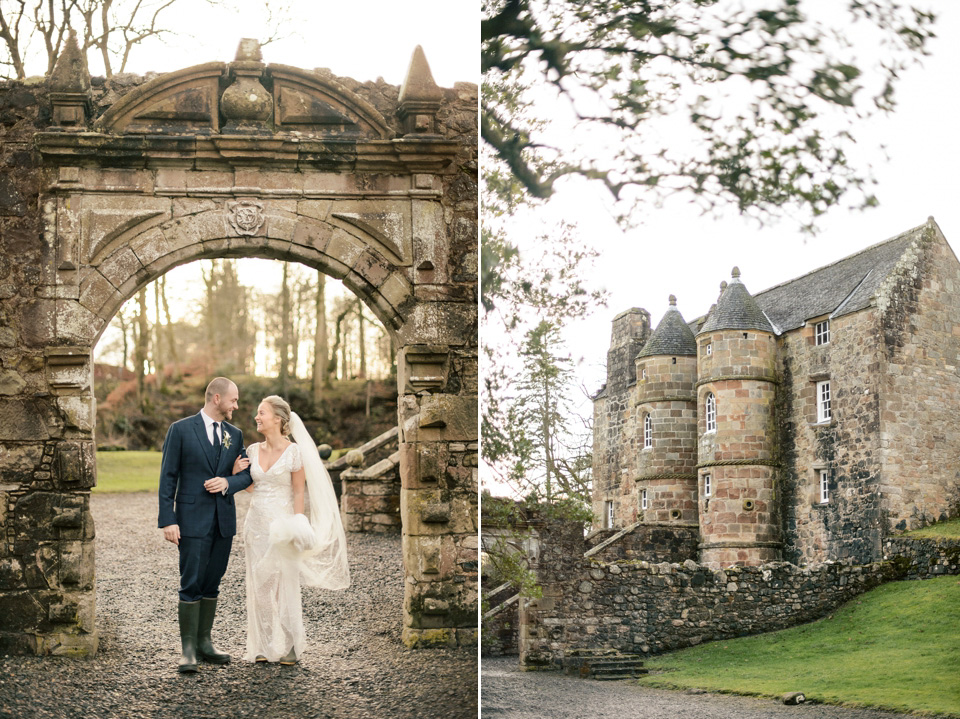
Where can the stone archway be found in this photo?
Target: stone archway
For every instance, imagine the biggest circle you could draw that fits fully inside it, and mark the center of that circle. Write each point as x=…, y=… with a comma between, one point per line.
x=375, y=187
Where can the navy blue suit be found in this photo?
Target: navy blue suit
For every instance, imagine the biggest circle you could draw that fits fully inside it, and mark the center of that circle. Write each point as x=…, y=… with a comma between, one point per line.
x=207, y=521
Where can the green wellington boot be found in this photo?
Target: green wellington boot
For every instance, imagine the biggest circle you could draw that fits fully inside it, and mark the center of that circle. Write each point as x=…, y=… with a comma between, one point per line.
x=189, y=615
x=290, y=659
x=208, y=609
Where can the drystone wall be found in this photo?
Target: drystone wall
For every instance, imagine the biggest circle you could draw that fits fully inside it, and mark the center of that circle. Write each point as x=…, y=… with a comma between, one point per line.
x=646, y=608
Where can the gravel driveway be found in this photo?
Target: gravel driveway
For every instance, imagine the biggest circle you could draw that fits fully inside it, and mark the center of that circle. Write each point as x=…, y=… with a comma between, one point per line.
x=355, y=667
x=509, y=693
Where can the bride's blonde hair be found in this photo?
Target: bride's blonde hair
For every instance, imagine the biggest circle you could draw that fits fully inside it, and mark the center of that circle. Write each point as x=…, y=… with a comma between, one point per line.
x=280, y=408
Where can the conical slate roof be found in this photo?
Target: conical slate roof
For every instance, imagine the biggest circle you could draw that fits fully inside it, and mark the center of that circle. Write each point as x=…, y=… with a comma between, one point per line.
x=672, y=336
x=736, y=310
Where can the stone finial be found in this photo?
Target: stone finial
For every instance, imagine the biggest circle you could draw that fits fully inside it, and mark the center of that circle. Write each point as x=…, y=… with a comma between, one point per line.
x=70, y=86
x=735, y=273
x=723, y=286
x=672, y=300
x=70, y=73
x=248, y=51
x=246, y=105
x=419, y=97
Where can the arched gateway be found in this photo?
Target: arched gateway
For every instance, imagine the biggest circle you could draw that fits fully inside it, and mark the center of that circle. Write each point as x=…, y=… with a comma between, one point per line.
x=229, y=160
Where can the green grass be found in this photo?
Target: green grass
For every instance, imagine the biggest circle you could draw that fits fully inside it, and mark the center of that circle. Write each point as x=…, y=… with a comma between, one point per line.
x=896, y=647
x=941, y=530
x=127, y=471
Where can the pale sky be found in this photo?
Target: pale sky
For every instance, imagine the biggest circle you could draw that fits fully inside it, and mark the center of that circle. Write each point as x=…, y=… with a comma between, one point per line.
x=676, y=251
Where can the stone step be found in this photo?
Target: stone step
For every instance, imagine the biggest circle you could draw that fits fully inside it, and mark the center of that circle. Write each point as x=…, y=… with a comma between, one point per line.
x=617, y=677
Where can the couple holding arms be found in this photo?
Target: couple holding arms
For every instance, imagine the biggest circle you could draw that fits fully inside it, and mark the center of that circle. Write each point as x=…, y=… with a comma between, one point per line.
x=292, y=534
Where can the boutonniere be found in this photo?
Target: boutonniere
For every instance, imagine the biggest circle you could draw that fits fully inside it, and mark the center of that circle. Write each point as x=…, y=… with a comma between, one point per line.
x=227, y=440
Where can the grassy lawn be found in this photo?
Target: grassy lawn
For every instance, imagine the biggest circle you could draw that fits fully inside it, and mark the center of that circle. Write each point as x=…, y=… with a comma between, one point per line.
x=127, y=471
x=896, y=647
x=941, y=530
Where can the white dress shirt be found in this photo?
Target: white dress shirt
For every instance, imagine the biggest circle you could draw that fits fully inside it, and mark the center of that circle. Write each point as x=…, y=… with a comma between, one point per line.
x=208, y=425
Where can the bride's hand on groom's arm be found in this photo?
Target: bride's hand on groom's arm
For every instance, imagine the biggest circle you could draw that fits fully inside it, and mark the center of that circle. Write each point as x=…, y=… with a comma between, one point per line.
x=216, y=485
x=240, y=464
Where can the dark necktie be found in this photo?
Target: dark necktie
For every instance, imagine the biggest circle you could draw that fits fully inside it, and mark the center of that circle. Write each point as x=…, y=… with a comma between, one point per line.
x=216, y=438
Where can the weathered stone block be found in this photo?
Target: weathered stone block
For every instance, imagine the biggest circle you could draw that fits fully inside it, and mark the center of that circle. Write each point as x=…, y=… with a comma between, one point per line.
x=448, y=417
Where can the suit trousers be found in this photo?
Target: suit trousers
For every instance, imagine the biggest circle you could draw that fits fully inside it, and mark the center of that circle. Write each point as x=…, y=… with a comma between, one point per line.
x=203, y=562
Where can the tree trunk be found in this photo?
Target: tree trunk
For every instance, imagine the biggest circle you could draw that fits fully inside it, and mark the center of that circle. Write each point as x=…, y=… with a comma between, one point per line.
x=126, y=347
x=362, y=341
x=284, y=330
x=143, y=339
x=157, y=330
x=171, y=340
x=321, y=374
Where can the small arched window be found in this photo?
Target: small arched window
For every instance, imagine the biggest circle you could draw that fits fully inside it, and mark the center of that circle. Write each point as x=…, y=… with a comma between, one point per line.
x=647, y=431
x=711, y=412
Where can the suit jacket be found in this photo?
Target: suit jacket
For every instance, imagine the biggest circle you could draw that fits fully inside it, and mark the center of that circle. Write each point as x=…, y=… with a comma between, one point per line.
x=189, y=460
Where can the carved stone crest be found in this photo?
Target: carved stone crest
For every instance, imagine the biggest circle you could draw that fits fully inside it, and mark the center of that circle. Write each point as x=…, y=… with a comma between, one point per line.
x=246, y=216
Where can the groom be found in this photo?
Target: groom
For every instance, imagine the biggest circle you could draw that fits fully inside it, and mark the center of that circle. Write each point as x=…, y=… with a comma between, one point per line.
x=197, y=512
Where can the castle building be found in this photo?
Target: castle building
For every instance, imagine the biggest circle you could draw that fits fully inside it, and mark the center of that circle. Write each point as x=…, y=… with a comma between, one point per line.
x=804, y=423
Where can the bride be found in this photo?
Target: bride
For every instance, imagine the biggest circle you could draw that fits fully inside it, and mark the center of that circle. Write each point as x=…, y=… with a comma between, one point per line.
x=292, y=533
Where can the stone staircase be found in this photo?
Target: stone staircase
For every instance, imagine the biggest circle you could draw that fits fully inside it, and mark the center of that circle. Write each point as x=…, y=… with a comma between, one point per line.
x=603, y=664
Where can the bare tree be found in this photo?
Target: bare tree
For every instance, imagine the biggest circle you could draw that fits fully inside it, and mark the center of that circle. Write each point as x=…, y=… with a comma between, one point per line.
x=142, y=345
x=321, y=373
x=171, y=339
x=284, y=346
x=113, y=28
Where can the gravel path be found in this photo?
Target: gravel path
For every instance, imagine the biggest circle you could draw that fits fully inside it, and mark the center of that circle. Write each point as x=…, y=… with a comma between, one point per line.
x=508, y=693
x=355, y=667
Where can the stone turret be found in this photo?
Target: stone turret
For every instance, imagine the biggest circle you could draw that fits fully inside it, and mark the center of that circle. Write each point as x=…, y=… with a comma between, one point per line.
x=612, y=418
x=665, y=434
x=735, y=396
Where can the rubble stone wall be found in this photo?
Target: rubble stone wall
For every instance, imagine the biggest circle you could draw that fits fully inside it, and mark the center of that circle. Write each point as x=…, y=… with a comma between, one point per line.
x=648, y=608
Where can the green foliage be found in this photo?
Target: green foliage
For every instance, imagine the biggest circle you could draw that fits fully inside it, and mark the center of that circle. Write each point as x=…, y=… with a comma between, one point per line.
x=534, y=439
x=746, y=85
x=894, y=647
x=949, y=529
x=127, y=472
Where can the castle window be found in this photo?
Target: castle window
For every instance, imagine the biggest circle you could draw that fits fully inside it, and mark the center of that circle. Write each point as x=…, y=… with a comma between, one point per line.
x=609, y=513
x=647, y=431
x=822, y=332
x=711, y=412
x=824, y=413
x=824, y=486
x=709, y=349
x=643, y=373
x=707, y=486
x=644, y=502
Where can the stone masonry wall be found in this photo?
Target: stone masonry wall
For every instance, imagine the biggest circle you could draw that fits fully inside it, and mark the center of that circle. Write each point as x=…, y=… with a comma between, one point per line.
x=646, y=608
x=850, y=526
x=613, y=417
x=919, y=444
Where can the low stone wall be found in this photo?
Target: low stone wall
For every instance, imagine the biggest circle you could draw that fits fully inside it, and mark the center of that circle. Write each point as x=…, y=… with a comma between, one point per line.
x=500, y=634
x=923, y=558
x=644, y=608
x=370, y=497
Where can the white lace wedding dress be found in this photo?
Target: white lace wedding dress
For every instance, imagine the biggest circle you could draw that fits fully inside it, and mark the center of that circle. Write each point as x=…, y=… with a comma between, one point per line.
x=274, y=609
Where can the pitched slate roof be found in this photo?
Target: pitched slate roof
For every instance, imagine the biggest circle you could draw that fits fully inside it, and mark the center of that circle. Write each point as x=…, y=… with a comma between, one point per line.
x=672, y=336
x=736, y=310
x=845, y=286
